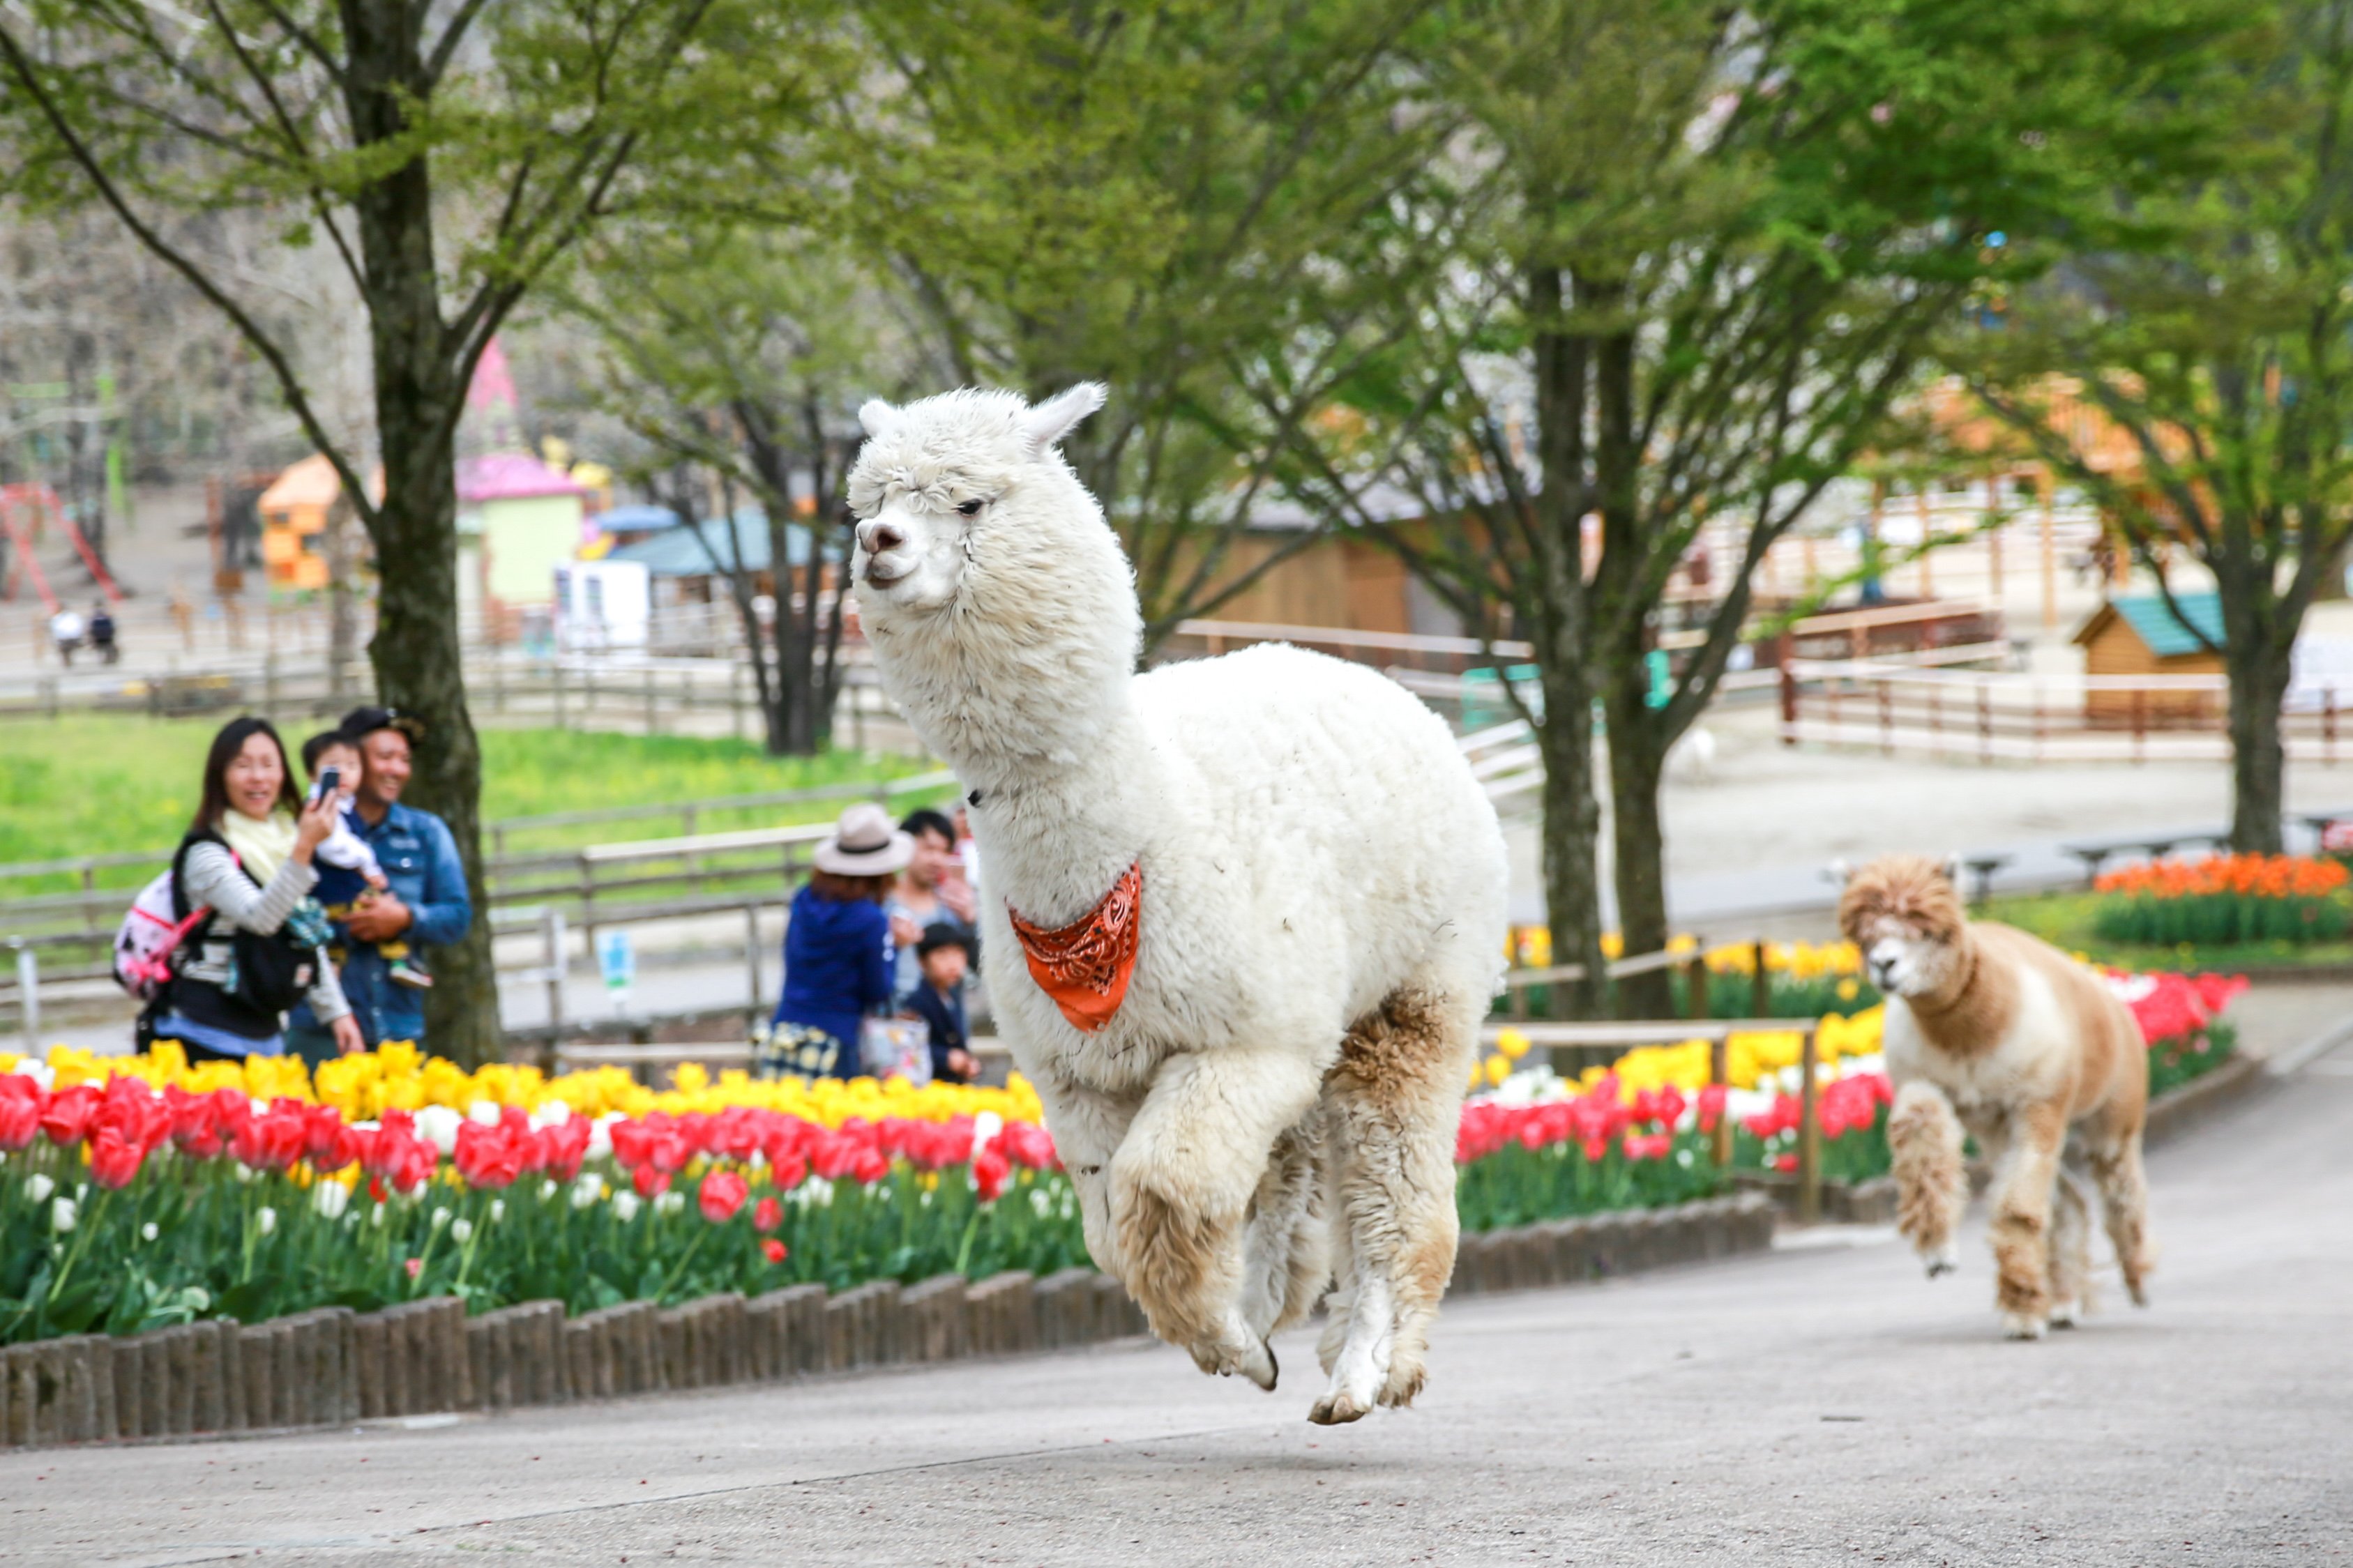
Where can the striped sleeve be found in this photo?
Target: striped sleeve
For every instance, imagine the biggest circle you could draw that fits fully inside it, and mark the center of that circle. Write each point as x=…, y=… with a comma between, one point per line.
x=215, y=882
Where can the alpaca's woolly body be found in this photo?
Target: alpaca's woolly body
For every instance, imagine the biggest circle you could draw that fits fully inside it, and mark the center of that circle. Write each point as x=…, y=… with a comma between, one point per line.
x=1994, y=1030
x=1312, y=847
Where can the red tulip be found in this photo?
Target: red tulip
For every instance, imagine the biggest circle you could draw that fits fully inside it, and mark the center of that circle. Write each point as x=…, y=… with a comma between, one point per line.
x=773, y=1249
x=1027, y=1143
x=489, y=1157
x=870, y=1166
x=767, y=1214
x=21, y=1103
x=789, y=1171
x=989, y=1170
x=270, y=1142
x=723, y=1193
x=113, y=1161
x=68, y=1114
x=564, y=1146
x=648, y=1181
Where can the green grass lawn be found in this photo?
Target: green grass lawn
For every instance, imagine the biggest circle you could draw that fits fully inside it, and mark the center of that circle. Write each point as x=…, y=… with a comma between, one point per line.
x=2066, y=922
x=96, y=785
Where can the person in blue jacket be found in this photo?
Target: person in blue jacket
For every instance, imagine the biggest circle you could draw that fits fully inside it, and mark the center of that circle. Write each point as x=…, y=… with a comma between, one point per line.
x=426, y=904
x=839, y=953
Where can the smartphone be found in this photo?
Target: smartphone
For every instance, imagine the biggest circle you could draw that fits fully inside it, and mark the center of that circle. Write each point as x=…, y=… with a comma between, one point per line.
x=331, y=779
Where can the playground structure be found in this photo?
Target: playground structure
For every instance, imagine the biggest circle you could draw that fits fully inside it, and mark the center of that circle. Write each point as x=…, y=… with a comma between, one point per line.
x=24, y=509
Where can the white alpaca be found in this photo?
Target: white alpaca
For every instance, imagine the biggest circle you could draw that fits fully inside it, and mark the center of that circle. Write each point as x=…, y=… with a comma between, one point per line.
x=1319, y=903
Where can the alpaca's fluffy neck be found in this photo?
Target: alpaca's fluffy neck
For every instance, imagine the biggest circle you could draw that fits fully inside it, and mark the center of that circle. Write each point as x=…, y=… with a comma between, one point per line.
x=1970, y=1008
x=1046, y=735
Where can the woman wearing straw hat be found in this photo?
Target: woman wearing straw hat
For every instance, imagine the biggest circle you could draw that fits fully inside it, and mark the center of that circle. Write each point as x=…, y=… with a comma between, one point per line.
x=839, y=959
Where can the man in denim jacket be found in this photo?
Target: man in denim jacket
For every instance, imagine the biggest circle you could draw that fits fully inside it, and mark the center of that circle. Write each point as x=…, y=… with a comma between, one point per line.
x=426, y=903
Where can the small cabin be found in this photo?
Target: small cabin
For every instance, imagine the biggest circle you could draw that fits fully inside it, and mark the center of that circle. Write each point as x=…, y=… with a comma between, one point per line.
x=294, y=516
x=2140, y=635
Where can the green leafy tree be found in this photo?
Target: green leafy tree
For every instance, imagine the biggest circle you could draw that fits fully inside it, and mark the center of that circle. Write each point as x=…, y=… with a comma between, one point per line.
x=1693, y=287
x=1165, y=198
x=2224, y=362
x=739, y=350
x=451, y=155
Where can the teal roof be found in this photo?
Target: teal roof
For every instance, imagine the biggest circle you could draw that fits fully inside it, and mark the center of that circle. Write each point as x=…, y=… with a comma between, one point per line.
x=680, y=553
x=2165, y=636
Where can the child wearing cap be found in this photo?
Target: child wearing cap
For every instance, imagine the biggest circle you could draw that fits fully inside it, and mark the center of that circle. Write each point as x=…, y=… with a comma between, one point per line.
x=945, y=955
x=350, y=876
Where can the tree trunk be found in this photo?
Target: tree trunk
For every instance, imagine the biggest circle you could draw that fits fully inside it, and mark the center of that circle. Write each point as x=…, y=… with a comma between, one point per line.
x=416, y=652
x=2259, y=671
x=1572, y=823
x=343, y=614
x=419, y=672
x=1638, y=838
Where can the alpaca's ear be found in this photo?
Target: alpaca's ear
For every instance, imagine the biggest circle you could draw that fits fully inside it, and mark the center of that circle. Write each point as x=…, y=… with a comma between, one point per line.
x=1045, y=425
x=879, y=417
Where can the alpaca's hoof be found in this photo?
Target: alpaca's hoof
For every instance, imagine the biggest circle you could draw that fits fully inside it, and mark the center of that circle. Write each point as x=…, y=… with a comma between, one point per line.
x=2064, y=1314
x=2022, y=1326
x=1403, y=1383
x=1261, y=1367
x=2138, y=1291
x=1945, y=1261
x=1337, y=1410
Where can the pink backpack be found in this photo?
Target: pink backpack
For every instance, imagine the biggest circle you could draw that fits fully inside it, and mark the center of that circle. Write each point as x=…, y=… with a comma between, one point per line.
x=148, y=936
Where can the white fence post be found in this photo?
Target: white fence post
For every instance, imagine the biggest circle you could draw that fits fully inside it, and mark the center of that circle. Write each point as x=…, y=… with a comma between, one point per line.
x=28, y=995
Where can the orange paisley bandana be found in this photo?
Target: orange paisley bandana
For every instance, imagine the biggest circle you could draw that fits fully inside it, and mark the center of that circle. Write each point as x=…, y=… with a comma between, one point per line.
x=1085, y=966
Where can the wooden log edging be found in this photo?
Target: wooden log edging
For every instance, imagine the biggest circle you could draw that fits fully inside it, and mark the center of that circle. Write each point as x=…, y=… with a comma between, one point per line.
x=333, y=1366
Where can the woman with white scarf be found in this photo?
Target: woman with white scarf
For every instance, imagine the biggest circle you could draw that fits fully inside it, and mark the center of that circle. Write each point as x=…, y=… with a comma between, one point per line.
x=248, y=859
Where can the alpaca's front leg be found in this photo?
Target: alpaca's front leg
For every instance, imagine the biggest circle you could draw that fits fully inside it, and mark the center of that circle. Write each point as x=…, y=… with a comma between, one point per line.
x=1180, y=1191
x=2025, y=1175
x=1088, y=1126
x=1924, y=1141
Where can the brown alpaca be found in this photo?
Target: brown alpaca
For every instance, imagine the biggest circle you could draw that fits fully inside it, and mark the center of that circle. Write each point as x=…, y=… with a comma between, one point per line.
x=1995, y=1031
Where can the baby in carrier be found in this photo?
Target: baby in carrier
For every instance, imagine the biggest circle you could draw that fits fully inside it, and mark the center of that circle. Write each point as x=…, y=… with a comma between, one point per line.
x=349, y=876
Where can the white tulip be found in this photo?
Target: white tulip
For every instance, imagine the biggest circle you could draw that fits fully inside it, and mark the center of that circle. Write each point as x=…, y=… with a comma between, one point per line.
x=624, y=1206
x=462, y=1232
x=600, y=1136
x=265, y=1221
x=440, y=1218
x=39, y=1188
x=39, y=1072
x=148, y=1232
x=555, y=1114
x=438, y=1125
x=986, y=1126
x=546, y=1190
x=498, y=1210
x=485, y=1111
x=63, y=1214
x=587, y=1189
x=670, y=1202
x=331, y=1199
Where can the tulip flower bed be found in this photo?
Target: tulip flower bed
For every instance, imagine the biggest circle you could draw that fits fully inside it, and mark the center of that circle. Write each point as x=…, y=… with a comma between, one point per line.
x=1519, y=1163
x=2225, y=899
x=122, y=1208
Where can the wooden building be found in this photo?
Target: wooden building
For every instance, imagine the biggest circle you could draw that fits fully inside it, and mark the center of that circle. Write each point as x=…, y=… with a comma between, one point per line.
x=2139, y=634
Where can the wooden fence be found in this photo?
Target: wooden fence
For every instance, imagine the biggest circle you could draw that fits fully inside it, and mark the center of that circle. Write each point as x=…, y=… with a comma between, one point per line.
x=2036, y=718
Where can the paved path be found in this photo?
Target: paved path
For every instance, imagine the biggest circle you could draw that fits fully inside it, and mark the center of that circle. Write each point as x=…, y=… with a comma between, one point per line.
x=1822, y=1405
